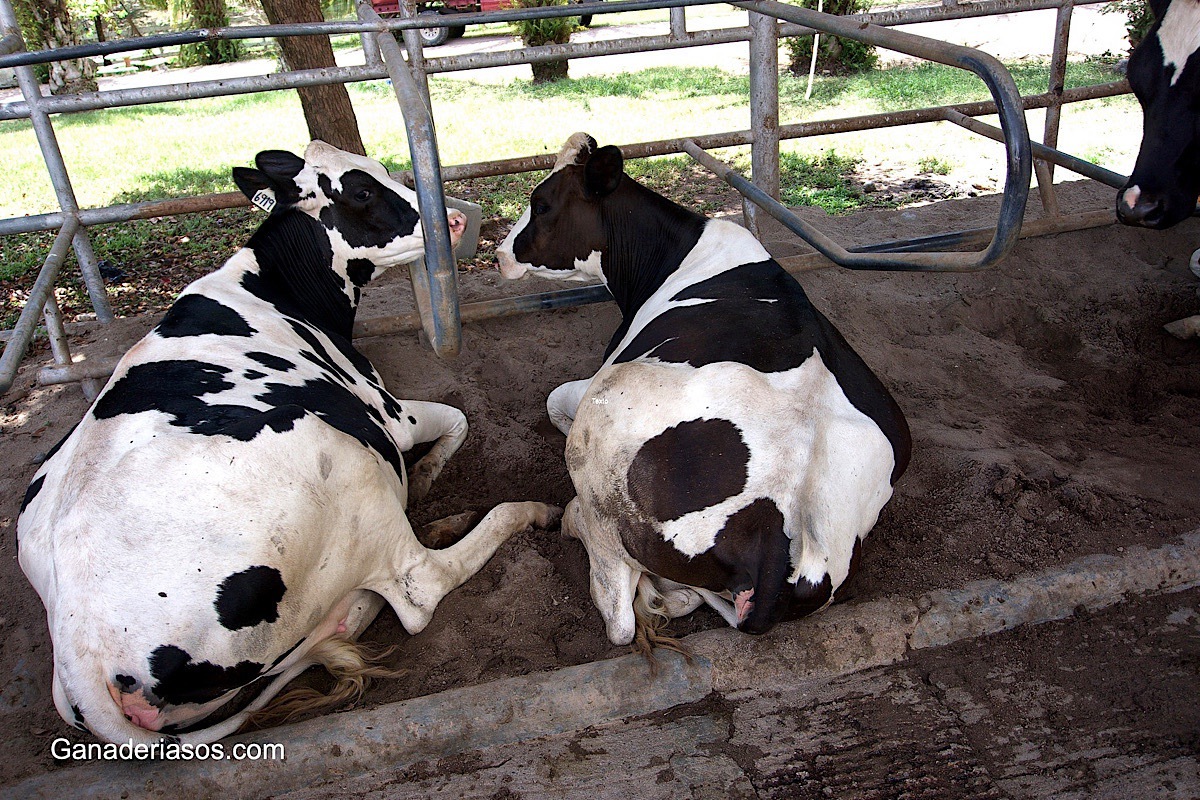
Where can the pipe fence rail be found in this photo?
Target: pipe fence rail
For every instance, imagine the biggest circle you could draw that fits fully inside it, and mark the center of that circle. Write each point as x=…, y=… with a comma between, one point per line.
x=438, y=310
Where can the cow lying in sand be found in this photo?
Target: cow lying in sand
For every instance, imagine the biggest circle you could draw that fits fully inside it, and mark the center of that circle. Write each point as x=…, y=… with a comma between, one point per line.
x=1164, y=73
x=733, y=449
x=231, y=509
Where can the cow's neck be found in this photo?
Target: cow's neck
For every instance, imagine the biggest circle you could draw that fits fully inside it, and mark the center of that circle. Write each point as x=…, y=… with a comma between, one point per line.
x=296, y=264
x=648, y=237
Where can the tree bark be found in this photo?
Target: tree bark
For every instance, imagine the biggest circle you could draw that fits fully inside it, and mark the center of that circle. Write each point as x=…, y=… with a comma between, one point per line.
x=327, y=109
x=51, y=24
x=549, y=71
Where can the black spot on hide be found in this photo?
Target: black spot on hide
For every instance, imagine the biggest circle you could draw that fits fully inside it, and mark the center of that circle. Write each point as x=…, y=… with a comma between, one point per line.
x=360, y=271
x=31, y=493
x=196, y=315
x=249, y=597
x=688, y=467
x=759, y=315
x=271, y=362
x=181, y=680
x=383, y=217
x=175, y=388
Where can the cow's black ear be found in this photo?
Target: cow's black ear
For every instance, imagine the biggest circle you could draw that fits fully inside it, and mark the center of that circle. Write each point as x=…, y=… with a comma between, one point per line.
x=256, y=186
x=603, y=172
x=1159, y=8
x=279, y=165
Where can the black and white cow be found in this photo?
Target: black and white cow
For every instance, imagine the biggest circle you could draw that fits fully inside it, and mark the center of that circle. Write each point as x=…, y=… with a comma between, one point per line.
x=733, y=449
x=231, y=509
x=1164, y=73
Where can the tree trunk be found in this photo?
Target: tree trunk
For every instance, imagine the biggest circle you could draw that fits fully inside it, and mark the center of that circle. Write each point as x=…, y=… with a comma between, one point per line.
x=51, y=28
x=549, y=71
x=327, y=109
x=209, y=14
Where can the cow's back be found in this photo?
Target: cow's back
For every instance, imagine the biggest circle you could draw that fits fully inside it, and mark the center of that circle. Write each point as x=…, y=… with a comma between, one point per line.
x=695, y=459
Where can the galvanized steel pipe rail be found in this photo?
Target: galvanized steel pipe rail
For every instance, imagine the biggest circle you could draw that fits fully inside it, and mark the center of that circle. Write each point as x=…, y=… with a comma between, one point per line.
x=377, y=37
x=1019, y=160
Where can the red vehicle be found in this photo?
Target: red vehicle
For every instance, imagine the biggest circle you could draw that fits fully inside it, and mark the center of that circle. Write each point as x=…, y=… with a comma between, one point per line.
x=432, y=37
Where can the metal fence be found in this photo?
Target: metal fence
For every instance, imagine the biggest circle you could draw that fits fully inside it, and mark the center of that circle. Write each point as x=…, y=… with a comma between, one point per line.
x=439, y=313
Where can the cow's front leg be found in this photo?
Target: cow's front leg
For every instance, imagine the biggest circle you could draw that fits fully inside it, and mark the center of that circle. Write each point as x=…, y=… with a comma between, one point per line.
x=432, y=422
x=564, y=401
x=417, y=588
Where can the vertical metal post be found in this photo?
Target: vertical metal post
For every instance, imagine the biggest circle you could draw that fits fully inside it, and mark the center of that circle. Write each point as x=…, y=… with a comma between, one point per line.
x=57, y=169
x=370, y=46
x=435, y=283
x=678, y=23
x=1058, y=77
x=39, y=295
x=416, y=51
x=60, y=348
x=764, y=111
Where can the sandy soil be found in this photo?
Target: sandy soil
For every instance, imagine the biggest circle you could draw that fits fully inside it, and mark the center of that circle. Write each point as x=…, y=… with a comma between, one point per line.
x=1052, y=418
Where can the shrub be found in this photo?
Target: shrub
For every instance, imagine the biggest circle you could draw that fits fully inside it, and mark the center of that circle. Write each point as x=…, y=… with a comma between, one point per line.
x=834, y=56
x=535, y=32
x=1138, y=18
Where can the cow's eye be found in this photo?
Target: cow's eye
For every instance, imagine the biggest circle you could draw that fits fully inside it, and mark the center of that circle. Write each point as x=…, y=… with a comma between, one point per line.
x=362, y=195
x=540, y=206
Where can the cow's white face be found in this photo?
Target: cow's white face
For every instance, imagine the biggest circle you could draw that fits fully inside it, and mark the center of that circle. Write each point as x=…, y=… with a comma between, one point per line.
x=371, y=218
x=562, y=203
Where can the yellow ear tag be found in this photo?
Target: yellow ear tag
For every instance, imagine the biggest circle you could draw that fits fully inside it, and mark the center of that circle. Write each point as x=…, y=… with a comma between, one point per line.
x=264, y=199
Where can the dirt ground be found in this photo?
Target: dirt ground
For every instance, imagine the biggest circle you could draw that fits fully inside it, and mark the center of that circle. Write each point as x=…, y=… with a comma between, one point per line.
x=1052, y=418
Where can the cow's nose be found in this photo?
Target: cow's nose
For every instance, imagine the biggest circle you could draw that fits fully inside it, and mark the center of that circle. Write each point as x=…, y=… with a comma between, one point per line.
x=509, y=268
x=458, y=223
x=136, y=708
x=1135, y=207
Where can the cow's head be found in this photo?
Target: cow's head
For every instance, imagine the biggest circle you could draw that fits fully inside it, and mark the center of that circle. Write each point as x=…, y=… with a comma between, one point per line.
x=1164, y=72
x=561, y=234
x=371, y=218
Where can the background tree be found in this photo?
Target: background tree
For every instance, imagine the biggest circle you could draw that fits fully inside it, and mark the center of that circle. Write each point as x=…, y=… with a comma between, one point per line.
x=327, y=109
x=834, y=55
x=1138, y=18
x=535, y=32
x=207, y=14
x=47, y=24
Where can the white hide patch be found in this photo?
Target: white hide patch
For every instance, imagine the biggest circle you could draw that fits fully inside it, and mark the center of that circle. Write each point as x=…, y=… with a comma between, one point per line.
x=331, y=162
x=1179, y=34
x=1130, y=198
x=571, y=149
x=586, y=269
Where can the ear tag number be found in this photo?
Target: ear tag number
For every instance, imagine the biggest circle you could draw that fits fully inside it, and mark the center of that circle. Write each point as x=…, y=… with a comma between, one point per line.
x=264, y=199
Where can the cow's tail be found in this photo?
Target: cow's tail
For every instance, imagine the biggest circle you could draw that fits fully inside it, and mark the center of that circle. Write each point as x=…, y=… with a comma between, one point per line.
x=352, y=666
x=651, y=618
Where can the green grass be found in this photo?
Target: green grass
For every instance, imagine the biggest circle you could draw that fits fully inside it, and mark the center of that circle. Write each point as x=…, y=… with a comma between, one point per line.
x=173, y=149
x=934, y=165
x=178, y=149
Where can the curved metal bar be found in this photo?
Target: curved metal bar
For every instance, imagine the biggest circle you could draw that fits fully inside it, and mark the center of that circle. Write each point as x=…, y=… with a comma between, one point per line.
x=1012, y=120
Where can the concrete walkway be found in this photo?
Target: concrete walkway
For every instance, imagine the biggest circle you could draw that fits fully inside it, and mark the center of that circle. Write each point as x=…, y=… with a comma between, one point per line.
x=776, y=703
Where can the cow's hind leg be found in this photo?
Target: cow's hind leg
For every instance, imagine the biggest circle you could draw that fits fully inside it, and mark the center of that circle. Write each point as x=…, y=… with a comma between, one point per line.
x=446, y=531
x=416, y=588
x=613, y=580
x=444, y=425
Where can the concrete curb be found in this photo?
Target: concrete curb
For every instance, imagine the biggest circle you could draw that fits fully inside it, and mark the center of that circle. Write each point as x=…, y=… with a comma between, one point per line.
x=838, y=641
